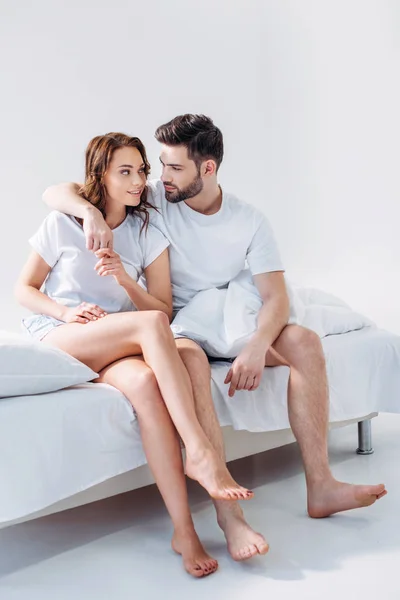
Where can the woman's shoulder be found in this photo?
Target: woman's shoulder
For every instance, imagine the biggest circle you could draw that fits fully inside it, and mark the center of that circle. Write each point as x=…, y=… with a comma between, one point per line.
x=58, y=219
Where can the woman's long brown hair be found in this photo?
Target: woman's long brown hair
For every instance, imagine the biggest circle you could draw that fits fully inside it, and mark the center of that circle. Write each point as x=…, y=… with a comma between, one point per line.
x=98, y=157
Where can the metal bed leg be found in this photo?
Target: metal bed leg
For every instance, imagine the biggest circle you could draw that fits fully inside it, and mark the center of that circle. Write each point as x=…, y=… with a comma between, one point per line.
x=364, y=438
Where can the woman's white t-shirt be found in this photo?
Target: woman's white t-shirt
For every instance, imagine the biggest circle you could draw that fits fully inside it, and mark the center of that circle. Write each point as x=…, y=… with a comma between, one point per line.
x=60, y=241
x=208, y=251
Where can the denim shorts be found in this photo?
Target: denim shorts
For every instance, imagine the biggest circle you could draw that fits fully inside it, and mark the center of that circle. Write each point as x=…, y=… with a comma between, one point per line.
x=38, y=326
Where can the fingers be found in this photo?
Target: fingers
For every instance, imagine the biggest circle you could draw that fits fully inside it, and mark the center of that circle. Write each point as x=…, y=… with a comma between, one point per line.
x=242, y=378
x=228, y=377
x=89, y=242
x=104, y=261
x=109, y=263
x=101, y=243
x=96, y=245
x=256, y=383
x=249, y=382
x=234, y=384
x=102, y=252
x=81, y=320
x=108, y=270
x=92, y=312
x=114, y=271
x=241, y=381
x=106, y=241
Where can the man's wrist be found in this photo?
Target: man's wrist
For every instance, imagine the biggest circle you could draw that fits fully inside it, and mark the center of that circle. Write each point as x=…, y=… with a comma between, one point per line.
x=90, y=211
x=260, y=341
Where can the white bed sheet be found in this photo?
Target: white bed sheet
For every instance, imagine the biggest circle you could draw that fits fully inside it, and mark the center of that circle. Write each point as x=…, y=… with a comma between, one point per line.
x=57, y=444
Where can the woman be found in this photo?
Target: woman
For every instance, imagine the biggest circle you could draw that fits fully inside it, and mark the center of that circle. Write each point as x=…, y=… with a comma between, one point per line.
x=93, y=308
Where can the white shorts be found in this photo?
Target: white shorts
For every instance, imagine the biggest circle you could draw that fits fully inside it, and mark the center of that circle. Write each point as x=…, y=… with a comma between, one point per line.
x=38, y=326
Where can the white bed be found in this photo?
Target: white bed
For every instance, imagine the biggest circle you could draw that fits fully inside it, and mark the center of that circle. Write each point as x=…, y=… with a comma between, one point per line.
x=66, y=448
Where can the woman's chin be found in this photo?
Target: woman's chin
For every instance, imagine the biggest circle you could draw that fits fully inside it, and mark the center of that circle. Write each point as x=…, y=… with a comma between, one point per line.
x=134, y=202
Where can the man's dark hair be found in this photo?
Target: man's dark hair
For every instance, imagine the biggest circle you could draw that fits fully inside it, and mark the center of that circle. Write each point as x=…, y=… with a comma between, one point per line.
x=198, y=133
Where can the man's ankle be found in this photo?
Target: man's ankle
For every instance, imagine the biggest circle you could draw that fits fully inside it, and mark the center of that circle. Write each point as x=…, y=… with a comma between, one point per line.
x=228, y=512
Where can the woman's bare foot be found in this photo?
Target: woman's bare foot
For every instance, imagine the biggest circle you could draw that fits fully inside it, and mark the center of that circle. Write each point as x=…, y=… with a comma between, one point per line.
x=195, y=559
x=242, y=541
x=213, y=475
x=328, y=498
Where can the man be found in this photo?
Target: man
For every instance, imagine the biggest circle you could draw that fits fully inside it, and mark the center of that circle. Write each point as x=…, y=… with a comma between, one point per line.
x=212, y=235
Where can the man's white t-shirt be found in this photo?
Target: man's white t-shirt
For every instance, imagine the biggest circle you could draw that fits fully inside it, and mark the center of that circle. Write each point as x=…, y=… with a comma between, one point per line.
x=208, y=251
x=61, y=243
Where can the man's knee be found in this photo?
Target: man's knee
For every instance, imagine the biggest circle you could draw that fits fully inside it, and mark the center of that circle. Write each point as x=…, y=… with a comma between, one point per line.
x=300, y=343
x=191, y=352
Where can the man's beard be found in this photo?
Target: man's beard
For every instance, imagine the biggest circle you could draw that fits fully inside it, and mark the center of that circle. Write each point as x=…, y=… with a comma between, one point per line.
x=190, y=191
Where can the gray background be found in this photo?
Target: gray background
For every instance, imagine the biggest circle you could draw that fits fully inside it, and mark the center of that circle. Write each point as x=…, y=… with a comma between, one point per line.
x=306, y=92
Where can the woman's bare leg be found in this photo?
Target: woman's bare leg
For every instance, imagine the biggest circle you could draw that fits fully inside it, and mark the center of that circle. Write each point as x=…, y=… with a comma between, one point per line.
x=100, y=343
x=161, y=445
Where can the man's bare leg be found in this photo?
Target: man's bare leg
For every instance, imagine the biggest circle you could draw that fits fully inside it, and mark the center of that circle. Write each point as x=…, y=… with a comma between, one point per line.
x=301, y=350
x=242, y=541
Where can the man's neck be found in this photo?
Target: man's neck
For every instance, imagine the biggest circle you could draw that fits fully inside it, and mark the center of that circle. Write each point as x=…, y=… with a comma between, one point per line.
x=208, y=202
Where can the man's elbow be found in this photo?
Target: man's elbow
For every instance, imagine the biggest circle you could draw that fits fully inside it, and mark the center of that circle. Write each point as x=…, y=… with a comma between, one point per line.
x=53, y=192
x=48, y=194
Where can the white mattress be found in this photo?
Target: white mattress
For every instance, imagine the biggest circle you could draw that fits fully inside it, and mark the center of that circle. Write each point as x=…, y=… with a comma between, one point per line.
x=55, y=445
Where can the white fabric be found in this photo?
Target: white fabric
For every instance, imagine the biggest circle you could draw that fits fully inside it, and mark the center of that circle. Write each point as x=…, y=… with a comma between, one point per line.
x=60, y=241
x=222, y=321
x=29, y=367
x=55, y=445
x=208, y=251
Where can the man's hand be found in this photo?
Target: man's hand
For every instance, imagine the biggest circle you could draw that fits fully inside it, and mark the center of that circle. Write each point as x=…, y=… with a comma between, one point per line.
x=110, y=264
x=83, y=313
x=247, y=369
x=97, y=232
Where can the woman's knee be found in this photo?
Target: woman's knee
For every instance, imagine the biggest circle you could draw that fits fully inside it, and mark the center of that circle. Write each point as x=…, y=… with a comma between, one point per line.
x=156, y=322
x=141, y=388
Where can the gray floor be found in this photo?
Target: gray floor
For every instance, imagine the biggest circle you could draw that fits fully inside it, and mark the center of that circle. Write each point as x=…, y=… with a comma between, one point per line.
x=119, y=548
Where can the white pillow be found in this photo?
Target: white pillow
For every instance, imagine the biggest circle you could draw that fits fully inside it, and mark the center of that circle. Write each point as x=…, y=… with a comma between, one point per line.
x=31, y=367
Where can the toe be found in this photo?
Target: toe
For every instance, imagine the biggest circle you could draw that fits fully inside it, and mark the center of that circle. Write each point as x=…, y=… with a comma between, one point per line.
x=245, y=552
x=222, y=495
x=211, y=566
x=232, y=494
x=262, y=547
x=208, y=568
x=227, y=494
x=253, y=550
x=195, y=570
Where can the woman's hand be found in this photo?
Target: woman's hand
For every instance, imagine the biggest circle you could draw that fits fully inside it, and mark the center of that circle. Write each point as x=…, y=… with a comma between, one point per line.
x=246, y=370
x=110, y=264
x=97, y=232
x=83, y=313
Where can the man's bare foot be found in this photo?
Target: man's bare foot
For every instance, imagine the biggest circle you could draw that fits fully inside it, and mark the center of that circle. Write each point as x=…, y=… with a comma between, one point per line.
x=332, y=497
x=195, y=559
x=210, y=471
x=242, y=541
